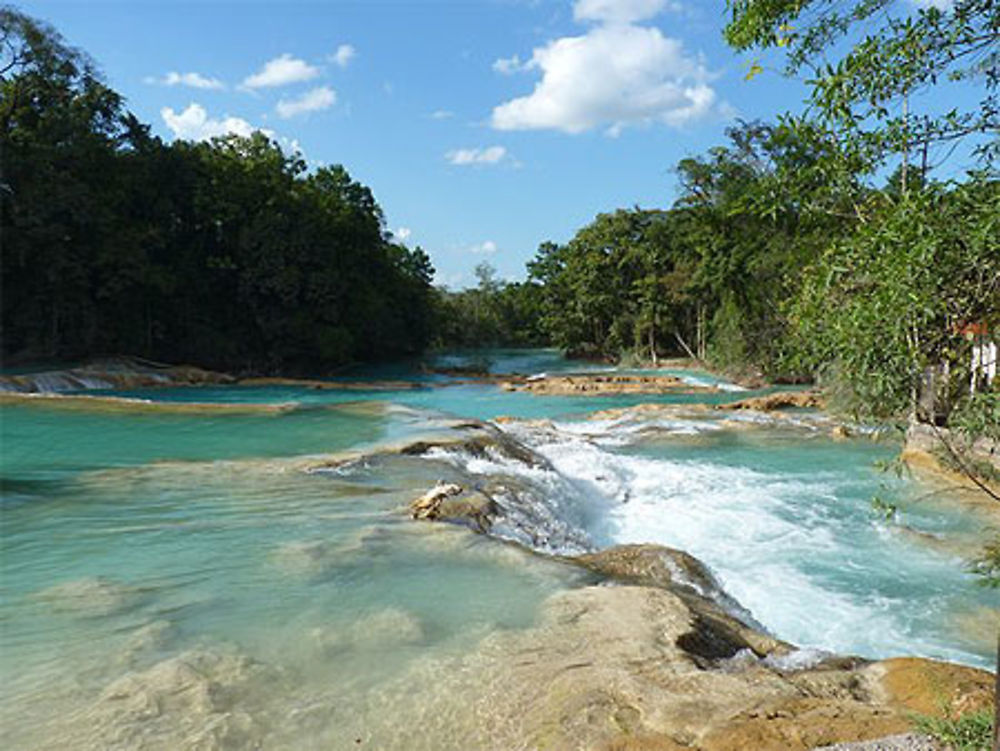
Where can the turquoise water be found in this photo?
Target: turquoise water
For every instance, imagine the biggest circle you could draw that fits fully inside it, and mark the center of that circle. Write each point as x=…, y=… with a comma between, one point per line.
x=134, y=534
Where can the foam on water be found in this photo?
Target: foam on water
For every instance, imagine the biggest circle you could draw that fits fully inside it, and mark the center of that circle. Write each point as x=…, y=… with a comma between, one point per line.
x=539, y=508
x=796, y=544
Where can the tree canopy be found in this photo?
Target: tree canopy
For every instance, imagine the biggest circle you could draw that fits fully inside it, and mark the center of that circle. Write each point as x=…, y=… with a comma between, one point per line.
x=228, y=253
x=867, y=59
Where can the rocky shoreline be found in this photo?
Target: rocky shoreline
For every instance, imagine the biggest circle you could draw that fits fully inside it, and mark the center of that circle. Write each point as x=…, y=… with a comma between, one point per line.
x=654, y=656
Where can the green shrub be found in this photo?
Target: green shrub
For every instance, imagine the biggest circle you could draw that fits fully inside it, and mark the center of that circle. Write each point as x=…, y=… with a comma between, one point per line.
x=969, y=732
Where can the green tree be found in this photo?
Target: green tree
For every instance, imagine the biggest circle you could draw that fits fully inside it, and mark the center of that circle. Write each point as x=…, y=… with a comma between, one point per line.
x=869, y=62
x=226, y=253
x=59, y=128
x=891, y=299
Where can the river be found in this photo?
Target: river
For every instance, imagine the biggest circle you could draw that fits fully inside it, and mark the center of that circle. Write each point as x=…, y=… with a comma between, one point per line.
x=262, y=533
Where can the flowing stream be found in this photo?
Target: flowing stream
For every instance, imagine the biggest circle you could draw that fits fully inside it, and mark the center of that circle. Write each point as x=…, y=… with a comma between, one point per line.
x=261, y=535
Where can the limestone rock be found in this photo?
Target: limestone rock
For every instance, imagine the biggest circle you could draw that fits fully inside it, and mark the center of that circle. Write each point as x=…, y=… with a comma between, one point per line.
x=493, y=443
x=116, y=373
x=453, y=503
x=91, y=597
x=604, y=385
x=624, y=668
x=778, y=400
x=721, y=633
x=197, y=700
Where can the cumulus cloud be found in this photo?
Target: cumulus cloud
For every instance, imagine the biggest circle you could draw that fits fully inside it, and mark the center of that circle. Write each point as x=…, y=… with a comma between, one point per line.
x=281, y=71
x=466, y=157
x=343, y=56
x=194, y=124
x=484, y=248
x=194, y=80
x=312, y=101
x=620, y=11
x=615, y=75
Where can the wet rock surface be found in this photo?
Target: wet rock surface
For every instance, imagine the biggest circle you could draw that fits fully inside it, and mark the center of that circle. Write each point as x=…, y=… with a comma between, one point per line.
x=604, y=385
x=453, y=503
x=323, y=385
x=115, y=373
x=779, y=400
x=196, y=700
x=90, y=597
x=619, y=668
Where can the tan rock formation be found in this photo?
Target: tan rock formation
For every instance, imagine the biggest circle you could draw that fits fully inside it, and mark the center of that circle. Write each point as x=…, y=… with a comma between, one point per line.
x=778, y=400
x=604, y=385
x=626, y=667
x=453, y=503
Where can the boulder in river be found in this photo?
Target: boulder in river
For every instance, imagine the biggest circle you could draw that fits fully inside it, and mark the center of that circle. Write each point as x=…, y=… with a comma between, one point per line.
x=453, y=503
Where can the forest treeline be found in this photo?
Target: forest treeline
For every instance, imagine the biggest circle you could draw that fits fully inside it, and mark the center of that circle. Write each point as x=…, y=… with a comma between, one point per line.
x=228, y=253
x=819, y=246
x=784, y=253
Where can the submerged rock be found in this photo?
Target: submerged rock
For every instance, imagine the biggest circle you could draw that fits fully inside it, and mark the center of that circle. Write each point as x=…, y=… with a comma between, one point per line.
x=91, y=597
x=196, y=700
x=387, y=627
x=307, y=557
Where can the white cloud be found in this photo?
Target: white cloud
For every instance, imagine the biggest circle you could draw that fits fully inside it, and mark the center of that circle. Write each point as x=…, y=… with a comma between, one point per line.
x=281, y=71
x=442, y=114
x=194, y=124
x=484, y=248
x=403, y=233
x=508, y=65
x=614, y=76
x=194, y=80
x=312, y=101
x=620, y=11
x=466, y=157
x=343, y=56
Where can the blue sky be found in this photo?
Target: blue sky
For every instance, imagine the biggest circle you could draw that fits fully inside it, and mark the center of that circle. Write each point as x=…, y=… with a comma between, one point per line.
x=484, y=127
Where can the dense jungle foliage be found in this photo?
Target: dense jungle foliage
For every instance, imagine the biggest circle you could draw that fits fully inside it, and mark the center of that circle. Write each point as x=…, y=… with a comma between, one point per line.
x=227, y=254
x=819, y=246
